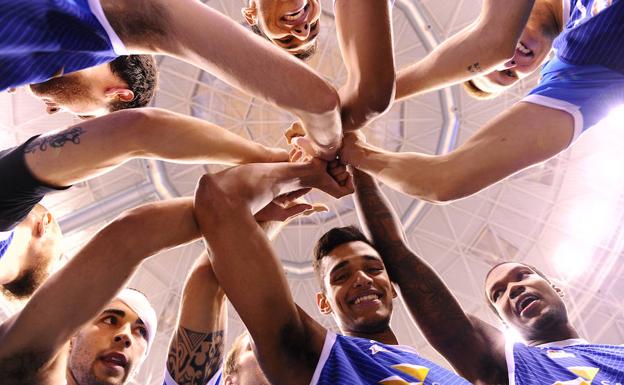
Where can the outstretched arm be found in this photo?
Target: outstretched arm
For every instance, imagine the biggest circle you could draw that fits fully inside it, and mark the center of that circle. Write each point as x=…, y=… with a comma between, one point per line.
x=524, y=135
x=93, y=147
x=474, y=348
x=487, y=43
x=287, y=342
x=365, y=37
x=88, y=282
x=196, y=33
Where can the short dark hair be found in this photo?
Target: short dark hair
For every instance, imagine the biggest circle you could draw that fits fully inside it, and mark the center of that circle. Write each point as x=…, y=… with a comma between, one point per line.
x=140, y=74
x=477, y=93
x=303, y=55
x=332, y=239
x=535, y=269
x=231, y=364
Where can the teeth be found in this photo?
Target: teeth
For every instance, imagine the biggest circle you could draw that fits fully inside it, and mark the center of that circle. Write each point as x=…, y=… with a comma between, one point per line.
x=522, y=48
x=370, y=297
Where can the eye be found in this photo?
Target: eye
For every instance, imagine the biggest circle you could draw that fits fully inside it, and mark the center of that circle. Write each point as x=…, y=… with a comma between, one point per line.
x=496, y=295
x=509, y=73
x=314, y=25
x=340, y=278
x=110, y=320
x=142, y=331
x=374, y=270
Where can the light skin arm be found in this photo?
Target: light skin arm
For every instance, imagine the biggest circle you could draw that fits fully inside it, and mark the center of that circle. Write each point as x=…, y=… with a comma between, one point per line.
x=473, y=347
x=523, y=136
x=287, y=342
x=93, y=147
x=89, y=281
x=365, y=37
x=484, y=45
x=196, y=33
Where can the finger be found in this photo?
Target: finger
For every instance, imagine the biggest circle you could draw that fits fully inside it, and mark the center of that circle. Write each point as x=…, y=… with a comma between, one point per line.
x=305, y=144
x=294, y=131
x=297, y=210
x=342, y=178
x=348, y=185
x=278, y=155
x=291, y=196
x=316, y=208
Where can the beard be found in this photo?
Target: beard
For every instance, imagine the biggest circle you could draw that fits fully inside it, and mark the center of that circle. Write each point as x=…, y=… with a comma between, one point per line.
x=25, y=285
x=64, y=90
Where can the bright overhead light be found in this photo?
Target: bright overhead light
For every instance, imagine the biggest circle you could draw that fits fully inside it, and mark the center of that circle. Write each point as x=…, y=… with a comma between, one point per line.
x=572, y=258
x=591, y=221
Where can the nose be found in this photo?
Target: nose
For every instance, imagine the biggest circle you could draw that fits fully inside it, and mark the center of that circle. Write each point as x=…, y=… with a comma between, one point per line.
x=123, y=337
x=301, y=31
x=362, y=279
x=516, y=290
x=52, y=109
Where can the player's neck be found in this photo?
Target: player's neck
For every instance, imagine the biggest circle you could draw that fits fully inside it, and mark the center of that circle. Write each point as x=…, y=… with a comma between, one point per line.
x=561, y=332
x=385, y=336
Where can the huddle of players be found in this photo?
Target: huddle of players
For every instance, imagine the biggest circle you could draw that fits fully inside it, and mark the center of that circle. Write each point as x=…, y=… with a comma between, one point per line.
x=65, y=336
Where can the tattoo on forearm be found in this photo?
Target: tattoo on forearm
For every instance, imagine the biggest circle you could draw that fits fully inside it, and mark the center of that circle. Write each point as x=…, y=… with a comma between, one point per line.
x=56, y=140
x=421, y=287
x=195, y=357
x=474, y=68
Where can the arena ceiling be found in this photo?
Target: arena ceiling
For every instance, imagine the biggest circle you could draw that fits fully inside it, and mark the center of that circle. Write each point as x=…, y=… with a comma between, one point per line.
x=564, y=216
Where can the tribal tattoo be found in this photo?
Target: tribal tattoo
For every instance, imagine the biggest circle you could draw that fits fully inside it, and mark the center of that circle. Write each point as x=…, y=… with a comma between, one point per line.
x=195, y=357
x=55, y=141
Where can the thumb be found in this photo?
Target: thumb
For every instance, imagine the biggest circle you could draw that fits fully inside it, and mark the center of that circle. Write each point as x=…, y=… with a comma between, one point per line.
x=305, y=144
x=298, y=209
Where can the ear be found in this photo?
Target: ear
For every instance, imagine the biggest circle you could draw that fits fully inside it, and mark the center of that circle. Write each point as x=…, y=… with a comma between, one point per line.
x=229, y=380
x=323, y=304
x=250, y=13
x=120, y=93
x=394, y=292
x=42, y=224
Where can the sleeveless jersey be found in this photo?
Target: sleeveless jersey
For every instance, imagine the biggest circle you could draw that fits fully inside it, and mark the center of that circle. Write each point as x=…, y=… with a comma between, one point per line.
x=5, y=241
x=357, y=361
x=569, y=362
x=215, y=380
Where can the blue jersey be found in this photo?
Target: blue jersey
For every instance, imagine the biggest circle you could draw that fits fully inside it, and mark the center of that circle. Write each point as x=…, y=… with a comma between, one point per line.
x=5, y=241
x=357, y=361
x=593, y=34
x=586, y=78
x=570, y=362
x=40, y=39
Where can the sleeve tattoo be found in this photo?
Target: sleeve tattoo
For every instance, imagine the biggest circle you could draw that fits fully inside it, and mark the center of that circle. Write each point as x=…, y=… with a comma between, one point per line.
x=56, y=140
x=195, y=357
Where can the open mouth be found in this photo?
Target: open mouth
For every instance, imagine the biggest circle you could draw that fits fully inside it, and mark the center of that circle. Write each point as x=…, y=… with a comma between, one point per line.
x=297, y=17
x=525, y=302
x=524, y=50
x=115, y=360
x=366, y=298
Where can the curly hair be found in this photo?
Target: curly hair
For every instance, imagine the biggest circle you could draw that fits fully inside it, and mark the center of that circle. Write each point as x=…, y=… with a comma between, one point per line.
x=140, y=74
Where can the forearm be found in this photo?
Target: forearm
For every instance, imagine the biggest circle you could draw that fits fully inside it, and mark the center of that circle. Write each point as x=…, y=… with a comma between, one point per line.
x=196, y=33
x=426, y=296
x=365, y=37
x=472, y=51
x=91, y=148
x=101, y=268
x=196, y=350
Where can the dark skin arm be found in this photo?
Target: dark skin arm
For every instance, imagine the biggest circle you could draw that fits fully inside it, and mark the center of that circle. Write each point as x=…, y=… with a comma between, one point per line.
x=473, y=347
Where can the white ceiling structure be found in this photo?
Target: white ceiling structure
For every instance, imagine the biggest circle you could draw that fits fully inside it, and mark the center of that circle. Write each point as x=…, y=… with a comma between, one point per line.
x=565, y=213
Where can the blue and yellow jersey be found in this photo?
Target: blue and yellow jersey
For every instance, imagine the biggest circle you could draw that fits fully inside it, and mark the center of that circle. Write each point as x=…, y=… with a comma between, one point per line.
x=357, y=361
x=40, y=39
x=570, y=362
x=215, y=380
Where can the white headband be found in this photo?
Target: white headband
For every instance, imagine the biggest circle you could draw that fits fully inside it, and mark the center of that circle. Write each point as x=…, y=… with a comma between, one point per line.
x=136, y=301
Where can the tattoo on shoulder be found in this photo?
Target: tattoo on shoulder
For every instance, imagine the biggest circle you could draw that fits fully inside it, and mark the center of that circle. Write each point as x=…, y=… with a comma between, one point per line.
x=474, y=68
x=55, y=141
x=195, y=357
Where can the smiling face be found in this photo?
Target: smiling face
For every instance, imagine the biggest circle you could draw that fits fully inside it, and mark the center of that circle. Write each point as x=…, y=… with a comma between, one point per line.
x=531, y=50
x=290, y=24
x=109, y=349
x=357, y=289
x=525, y=300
